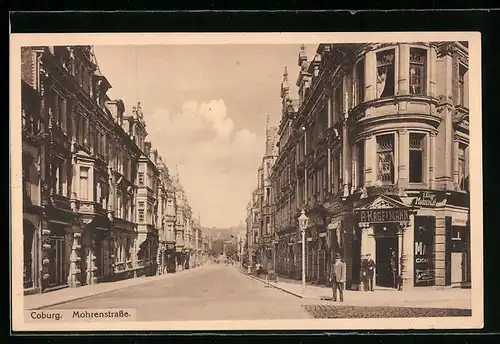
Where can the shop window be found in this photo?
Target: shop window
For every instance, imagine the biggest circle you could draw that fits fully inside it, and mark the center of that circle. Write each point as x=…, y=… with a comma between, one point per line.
x=84, y=183
x=385, y=158
x=360, y=82
x=385, y=74
x=418, y=65
x=416, y=158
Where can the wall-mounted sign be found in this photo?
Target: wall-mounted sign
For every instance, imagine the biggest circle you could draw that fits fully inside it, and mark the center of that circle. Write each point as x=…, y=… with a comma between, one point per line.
x=383, y=215
x=423, y=254
x=426, y=199
x=389, y=189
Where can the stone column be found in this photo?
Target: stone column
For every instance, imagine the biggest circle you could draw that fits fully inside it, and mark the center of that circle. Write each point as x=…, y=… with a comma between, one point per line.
x=440, y=249
x=407, y=253
x=456, y=146
x=370, y=76
x=431, y=68
x=364, y=239
x=46, y=247
x=91, y=263
x=74, y=274
x=346, y=159
x=432, y=160
x=370, y=163
x=403, y=158
x=403, y=71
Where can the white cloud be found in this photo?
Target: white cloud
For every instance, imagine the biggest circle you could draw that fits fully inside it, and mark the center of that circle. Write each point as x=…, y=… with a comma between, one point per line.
x=217, y=166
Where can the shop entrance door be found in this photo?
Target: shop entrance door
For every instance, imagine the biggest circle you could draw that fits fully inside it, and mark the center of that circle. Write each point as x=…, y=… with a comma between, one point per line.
x=57, y=262
x=385, y=245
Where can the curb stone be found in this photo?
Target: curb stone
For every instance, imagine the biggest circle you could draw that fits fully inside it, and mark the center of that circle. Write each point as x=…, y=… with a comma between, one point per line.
x=277, y=287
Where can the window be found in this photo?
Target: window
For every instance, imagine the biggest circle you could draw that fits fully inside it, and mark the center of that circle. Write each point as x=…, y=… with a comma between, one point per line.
x=359, y=82
x=461, y=85
x=462, y=177
x=418, y=59
x=84, y=183
x=26, y=178
x=385, y=158
x=336, y=174
x=57, y=176
x=141, y=215
x=416, y=158
x=361, y=164
x=337, y=104
x=385, y=74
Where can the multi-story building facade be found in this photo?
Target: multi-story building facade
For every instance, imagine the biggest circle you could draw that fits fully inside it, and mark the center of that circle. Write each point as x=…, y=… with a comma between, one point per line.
x=70, y=134
x=253, y=222
x=376, y=152
x=147, y=208
x=266, y=231
x=166, y=220
x=92, y=185
x=182, y=225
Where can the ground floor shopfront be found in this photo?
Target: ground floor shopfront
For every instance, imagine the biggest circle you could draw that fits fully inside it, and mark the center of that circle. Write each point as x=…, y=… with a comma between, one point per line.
x=421, y=239
x=62, y=250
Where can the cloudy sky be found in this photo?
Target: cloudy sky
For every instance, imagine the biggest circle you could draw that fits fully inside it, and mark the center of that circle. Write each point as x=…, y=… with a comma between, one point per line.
x=205, y=108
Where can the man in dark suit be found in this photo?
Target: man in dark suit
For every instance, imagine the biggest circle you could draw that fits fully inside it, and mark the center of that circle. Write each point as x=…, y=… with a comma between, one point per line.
x=338, y=278
x=371, y=271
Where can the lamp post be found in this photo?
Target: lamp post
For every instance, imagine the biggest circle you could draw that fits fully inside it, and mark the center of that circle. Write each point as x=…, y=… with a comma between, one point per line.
x=303, y=220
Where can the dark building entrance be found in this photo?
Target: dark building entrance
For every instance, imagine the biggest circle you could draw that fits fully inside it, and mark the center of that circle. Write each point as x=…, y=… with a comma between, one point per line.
x=386, y=256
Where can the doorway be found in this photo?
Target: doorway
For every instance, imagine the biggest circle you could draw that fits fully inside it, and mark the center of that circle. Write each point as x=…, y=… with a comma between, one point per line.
x=57, y=262
x=385, y=246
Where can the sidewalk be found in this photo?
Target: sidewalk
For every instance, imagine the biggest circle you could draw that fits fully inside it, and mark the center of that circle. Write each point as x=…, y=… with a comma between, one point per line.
x=427, y=297
x=38, y=301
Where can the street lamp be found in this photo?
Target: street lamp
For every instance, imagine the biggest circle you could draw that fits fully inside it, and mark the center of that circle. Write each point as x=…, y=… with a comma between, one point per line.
x=303, y=220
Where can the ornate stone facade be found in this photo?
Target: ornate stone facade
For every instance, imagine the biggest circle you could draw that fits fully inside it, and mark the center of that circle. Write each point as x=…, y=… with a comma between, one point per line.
x=376, y=120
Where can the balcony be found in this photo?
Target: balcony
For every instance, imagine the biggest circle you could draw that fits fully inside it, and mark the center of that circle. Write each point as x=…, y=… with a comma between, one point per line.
x=89, y=207
x=124, y=224
x=60, y=202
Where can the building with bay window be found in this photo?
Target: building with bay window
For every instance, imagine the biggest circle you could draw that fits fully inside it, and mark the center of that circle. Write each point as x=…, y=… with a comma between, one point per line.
x=166, y=221
x=82, y=187
x=376, y=151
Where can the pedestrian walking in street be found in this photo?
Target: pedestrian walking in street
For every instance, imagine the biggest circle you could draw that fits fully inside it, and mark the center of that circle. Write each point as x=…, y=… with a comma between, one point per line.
x=338, y=278
x=371, y=271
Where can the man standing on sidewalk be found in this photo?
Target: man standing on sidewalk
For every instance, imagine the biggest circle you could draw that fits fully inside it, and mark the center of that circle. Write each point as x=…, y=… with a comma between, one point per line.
x=371, y=271
x=338, y=278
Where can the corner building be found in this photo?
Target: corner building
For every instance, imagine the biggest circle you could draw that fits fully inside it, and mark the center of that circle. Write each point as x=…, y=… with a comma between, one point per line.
x=376, y=150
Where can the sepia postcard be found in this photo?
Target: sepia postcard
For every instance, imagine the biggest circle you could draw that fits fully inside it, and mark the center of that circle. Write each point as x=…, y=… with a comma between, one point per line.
x=271, y=181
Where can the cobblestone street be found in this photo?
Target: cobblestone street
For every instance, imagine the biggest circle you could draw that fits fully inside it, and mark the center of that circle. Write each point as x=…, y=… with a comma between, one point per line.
x=334, y=311
x=217, y=292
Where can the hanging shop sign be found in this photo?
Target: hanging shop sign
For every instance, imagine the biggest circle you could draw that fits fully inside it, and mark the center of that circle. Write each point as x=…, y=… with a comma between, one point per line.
x=423, y=251
x=383, y=215
x=427, y=199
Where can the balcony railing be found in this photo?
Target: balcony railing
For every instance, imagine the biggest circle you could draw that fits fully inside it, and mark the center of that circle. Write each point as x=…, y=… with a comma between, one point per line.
x=60, y=201
x=87, y=207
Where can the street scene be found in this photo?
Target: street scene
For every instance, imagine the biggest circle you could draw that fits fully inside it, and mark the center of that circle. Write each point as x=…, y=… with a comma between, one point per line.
x=247, y=182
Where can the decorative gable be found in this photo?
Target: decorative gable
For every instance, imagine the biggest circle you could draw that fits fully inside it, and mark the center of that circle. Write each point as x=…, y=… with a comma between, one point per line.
x=384, y=202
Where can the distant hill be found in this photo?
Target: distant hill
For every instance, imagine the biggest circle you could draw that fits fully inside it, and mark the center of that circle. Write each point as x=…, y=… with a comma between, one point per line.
x=222, y=233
